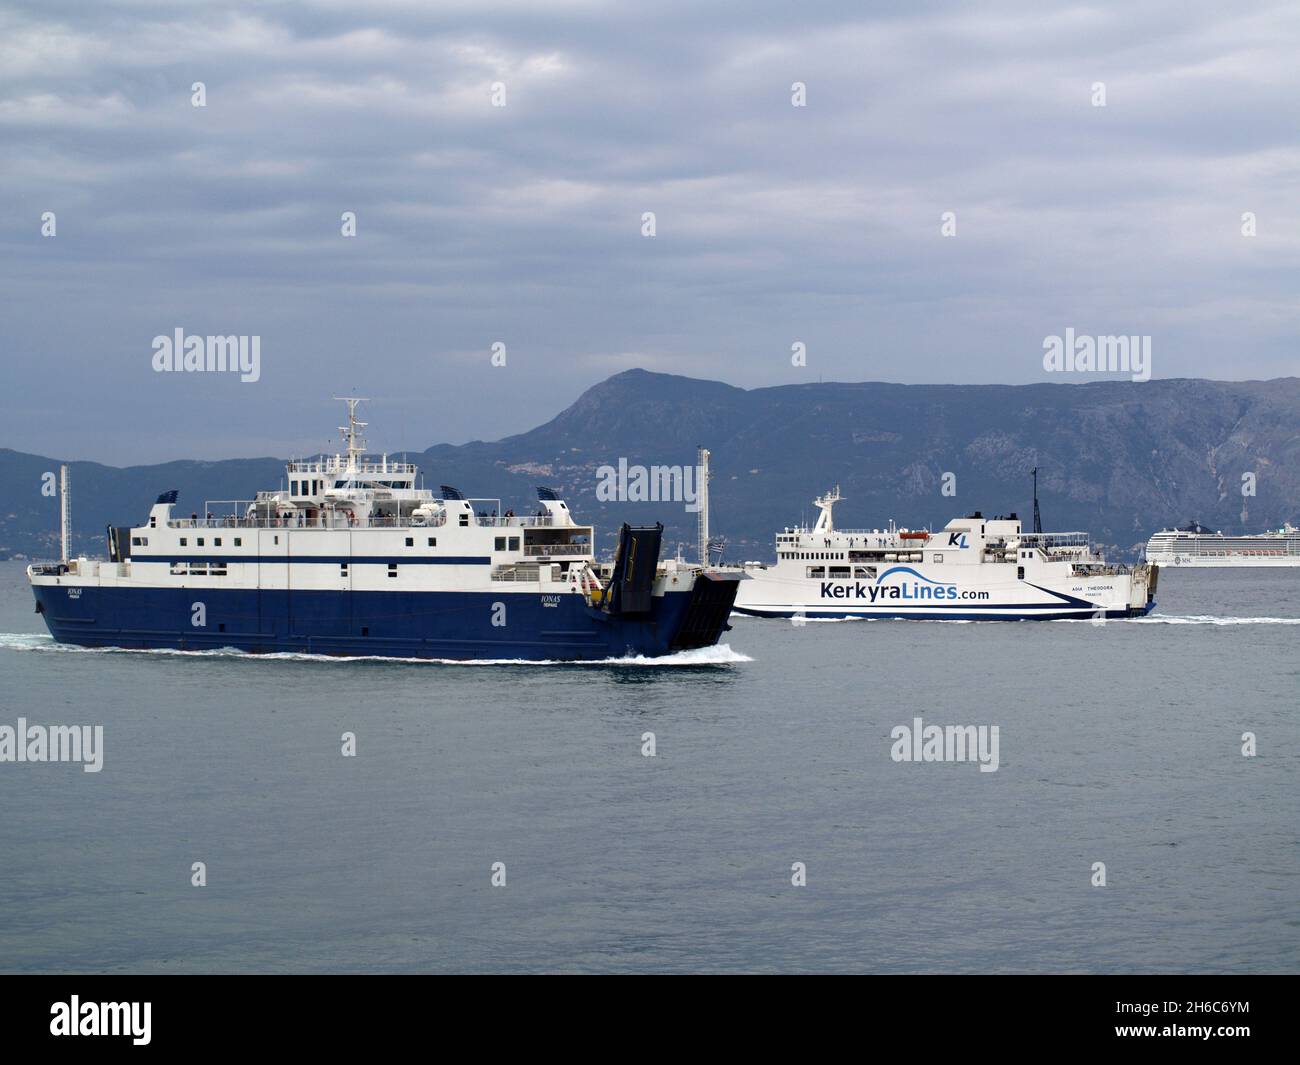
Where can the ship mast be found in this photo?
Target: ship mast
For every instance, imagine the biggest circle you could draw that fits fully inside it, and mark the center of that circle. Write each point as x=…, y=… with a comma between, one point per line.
x=826, y=520
x=702, y=500
x=65, y=512
x=1038, y=521
x=352, y=431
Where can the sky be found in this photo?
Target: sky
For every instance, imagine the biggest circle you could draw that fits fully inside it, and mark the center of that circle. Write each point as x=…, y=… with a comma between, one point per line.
x=500, y=158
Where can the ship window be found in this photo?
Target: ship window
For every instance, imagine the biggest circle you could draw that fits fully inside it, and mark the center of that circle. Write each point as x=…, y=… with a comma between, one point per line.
x=464, y=519
x=199, y=541
x=938, y=556
x=839, y=571
x=135, y=540
x=392, y=569
x=1020, y=573
x=343, y=569
x=500, y=544
x=410, y=541
x=817, y=571
x=433, y=541
x=216, y=541
x=184, y=541
x=239, y=541
x=864, y=572
x=514, y=543
x=293, y=488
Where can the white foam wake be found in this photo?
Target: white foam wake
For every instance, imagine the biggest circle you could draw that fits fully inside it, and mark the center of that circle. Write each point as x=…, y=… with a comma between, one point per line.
x=719, y=655
x=1209, y=619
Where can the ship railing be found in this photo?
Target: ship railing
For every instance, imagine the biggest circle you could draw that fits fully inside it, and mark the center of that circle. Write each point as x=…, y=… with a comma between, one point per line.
x=530, y=521
x=340, y=465
x=300, y=520
x=1117, y=569
x=521, y=571
x=1048, y=541
x=557, y=549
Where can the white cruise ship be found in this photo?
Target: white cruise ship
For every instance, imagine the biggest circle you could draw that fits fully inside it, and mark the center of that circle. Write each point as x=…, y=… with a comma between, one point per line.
x=975, y=568
x=1198, y=547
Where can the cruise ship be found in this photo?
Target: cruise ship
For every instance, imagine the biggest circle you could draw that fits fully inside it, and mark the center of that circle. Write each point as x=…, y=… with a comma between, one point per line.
x=1198, y=547
x=352, y=558
x=974, y=569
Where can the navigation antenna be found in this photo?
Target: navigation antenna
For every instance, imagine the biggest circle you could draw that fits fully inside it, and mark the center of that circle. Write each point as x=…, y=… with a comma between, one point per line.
x=1038, y=520
x=352, y=431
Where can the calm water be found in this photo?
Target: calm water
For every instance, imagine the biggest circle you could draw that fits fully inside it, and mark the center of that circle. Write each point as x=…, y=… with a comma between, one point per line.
x=1119, y=743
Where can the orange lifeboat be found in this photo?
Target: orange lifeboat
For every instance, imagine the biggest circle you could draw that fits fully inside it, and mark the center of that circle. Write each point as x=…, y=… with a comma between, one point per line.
x=921, y=535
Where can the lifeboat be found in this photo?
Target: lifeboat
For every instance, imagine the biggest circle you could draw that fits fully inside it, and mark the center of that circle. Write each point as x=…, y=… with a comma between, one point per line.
x=922, y=535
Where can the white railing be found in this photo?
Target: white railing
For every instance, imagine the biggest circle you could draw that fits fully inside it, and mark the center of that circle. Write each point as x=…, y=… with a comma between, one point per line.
x=557, y=549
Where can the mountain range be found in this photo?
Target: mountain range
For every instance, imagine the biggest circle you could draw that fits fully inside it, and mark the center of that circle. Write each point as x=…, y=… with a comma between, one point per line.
x=1118, y=459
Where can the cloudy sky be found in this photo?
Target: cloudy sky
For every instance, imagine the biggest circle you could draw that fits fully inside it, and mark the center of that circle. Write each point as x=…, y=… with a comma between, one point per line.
x=522, y=224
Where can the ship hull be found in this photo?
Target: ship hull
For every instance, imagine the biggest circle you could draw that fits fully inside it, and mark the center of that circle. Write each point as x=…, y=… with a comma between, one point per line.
x=465, y=626
x=1222, y=562
x=1010, y=613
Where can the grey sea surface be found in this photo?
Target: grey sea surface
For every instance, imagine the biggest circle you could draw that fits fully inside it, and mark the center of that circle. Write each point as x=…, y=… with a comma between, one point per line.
x=1119, y=743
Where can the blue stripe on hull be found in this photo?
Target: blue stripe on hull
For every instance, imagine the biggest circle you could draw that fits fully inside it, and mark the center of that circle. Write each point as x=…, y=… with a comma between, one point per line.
x=455, y=625
x=1042, y=614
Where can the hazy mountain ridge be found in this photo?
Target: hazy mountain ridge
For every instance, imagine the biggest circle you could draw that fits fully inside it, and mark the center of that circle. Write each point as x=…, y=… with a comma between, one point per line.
x=1118, y=459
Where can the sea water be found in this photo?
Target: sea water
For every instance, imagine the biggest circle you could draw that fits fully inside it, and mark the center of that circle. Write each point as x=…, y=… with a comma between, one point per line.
x=732, y=809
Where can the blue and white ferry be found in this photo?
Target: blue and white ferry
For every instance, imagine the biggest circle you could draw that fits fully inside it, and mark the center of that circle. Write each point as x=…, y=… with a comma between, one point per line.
x=974, y=569
x=352, y=558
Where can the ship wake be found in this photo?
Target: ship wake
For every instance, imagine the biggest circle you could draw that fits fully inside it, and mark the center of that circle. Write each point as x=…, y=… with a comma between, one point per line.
x=719, y=655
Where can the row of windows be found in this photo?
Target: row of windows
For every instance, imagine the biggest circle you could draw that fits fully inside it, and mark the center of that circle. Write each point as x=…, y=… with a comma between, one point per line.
x=861, y=573
x=199, y=541
x=410, y=541
x=198, y=569
x=813, y=555
x=306, y=488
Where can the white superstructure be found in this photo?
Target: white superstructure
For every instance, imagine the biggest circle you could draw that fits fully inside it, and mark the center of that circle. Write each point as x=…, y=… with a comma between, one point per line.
x=1195, y=546
x=974, y=568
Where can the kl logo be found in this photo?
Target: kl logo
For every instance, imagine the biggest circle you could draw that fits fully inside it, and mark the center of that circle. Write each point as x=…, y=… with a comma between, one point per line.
x=957, y=540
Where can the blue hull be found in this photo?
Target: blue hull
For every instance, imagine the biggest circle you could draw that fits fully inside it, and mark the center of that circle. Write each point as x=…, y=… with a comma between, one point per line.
x=448, y=625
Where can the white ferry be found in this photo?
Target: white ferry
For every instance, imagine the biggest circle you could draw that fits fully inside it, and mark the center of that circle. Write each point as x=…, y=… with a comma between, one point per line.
x=352, y=558
x=1195, y=546
x=975, y=568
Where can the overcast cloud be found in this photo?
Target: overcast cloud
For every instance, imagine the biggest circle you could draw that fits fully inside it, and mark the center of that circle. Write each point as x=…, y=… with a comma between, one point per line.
x=522, y=224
